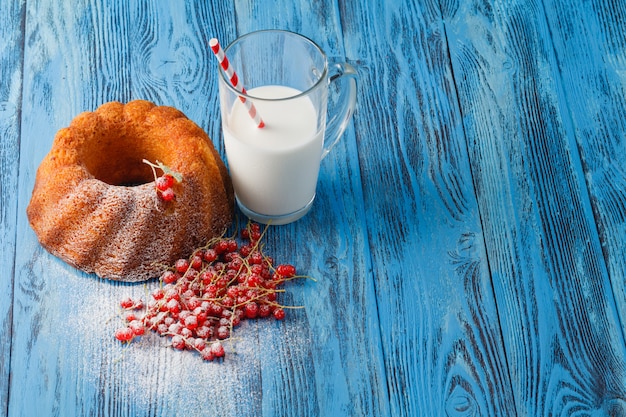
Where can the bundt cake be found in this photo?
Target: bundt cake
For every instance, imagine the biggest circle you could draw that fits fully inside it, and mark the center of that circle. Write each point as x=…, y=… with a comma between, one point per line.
x=95, y=204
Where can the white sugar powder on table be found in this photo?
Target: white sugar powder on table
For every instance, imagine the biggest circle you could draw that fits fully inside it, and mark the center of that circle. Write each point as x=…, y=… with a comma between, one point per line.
x=149, y=376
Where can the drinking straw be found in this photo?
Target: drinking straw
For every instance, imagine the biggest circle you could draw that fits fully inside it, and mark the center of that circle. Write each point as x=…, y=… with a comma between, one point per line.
x=234, y=80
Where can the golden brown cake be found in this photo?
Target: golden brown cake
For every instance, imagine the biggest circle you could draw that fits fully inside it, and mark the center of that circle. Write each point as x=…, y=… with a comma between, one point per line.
x=95, y=204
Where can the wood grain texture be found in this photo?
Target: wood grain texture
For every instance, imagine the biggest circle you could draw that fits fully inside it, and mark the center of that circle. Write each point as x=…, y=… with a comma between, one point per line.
x=83, y=55
x=439, y=323
x=11, y=47
x=467, y=237
x=346, y=362
x=561, y=328
x=305, y=366
x=592, y=65
x=56, y=356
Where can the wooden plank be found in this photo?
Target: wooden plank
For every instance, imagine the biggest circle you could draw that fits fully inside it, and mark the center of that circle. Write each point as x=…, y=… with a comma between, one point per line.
x=89, y=53
x=342, y=366
x=58, y=339
x=559, y=322
x=439, y=323
x=592, y=66
x=11, y=42
x=82, y=55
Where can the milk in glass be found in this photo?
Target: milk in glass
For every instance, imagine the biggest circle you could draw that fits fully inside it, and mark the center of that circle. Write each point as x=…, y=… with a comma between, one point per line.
x=274, y=169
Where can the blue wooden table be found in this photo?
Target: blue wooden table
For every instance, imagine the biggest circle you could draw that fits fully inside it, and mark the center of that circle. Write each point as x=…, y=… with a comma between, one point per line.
x=468, y=239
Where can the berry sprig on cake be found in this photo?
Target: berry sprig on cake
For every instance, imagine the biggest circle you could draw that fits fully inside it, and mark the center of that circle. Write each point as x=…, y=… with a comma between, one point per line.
x=164, y=183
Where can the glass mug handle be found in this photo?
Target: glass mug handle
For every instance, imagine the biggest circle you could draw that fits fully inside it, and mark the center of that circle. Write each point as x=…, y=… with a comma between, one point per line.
x=343, y=76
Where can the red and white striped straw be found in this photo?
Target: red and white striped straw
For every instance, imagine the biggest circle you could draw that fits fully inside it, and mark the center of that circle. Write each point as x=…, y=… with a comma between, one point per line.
x=234, y=80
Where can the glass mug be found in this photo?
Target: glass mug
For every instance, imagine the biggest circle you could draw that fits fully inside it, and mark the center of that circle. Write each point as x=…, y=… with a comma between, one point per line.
x=287, y=79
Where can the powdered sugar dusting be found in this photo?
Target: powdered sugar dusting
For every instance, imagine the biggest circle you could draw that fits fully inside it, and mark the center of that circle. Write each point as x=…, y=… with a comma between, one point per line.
x=149, y=378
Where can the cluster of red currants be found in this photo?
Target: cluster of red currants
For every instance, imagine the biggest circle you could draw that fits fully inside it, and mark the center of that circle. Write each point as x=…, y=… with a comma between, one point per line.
x=164, y=183
x=201, y=300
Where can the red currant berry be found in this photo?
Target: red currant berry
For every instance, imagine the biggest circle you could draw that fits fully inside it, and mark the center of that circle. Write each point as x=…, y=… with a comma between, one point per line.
x=221, y=247
x=171, y=294
x=168, y=195
x=235, y=264
x=211, y=291
x=158, y=293
x=222, y=283
x=252, y=310
x=201, y=315
x=216, y=310
x=279, y=314
x=173, y=306
x=217, y=349
x=182, y=265
x=286, y=271
x=210, y=255
x=204, y=332
x=207, y=277
x=222, y=332
x=254, y=281
x=137, y=327
x=193, y=302
x=164, y=182
x=265, y=310
x=168, y=277
x=191, y=322
x=186, y=333
x=256, y=258
x=199, y=344
x=127, y=303
x=187, y=294
x=233, y=292
x=175, y=328
x=124, y=334
x=245, y=250
x=162, y=328
x=228, y=302
x=196, y=262
x=255, y=232
x=178, y=342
